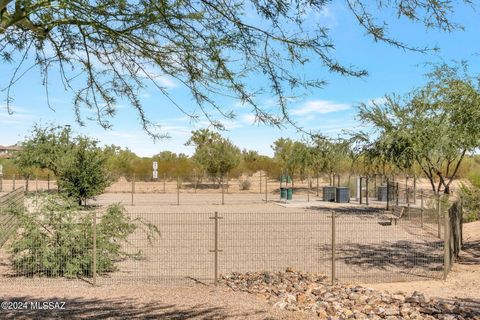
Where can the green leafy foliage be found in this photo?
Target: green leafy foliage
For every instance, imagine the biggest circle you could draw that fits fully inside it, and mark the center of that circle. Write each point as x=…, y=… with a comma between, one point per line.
x=470, y=203
x=107, y=51
x=214, y=153
x=79, y=165
x=433, y=127
x=57, y=239
x=83, y=174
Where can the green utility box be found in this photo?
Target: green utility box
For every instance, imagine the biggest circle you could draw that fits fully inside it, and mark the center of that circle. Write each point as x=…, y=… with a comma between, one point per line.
x=289, y=193
x=283, y=193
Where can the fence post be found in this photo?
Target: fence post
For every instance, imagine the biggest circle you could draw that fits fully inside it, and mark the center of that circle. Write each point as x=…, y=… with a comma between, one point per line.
x=446, y=246
x=308, y=188
x=360, y=190
x=260, y=182
x=317, y=184
x=178, y=191
x=461, y=223
x=333, y=247
x=439, y=209
x=48, y=182
x=133, y=186
x=421, y=209
x=388, y=194
x=36, y=190
x=366, y=190
x=94, y=251
x=195, y=177
x=266, y=189
x=13, y=182
x=164, y=179
x=414, y=189
x=223, y=192
x=215, y=250
x=397, y=193
x=408, y=202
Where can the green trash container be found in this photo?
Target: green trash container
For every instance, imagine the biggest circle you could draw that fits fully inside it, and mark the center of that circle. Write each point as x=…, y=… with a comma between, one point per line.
x=289, y=193
x=283, y=193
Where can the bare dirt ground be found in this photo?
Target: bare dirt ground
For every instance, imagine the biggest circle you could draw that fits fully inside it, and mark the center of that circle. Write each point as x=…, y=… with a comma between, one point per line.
x=128, y=294
x=141, y=302
x=462, y=282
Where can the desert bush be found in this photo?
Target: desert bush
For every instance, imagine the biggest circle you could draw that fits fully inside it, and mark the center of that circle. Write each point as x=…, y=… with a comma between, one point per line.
x=470, y=202
x=57, y=239
x=245, y=184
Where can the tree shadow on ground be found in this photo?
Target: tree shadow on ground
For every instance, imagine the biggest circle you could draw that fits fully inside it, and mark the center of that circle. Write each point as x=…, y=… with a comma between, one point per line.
x=470, y=254
x=81, y=308
x=401, y=255
x=203, y=186
x=468, y=308
x=345, y=209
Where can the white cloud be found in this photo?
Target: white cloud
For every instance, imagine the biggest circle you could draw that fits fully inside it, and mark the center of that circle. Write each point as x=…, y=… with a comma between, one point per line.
x=17, y=115
x=320, y=107
x=248, y=118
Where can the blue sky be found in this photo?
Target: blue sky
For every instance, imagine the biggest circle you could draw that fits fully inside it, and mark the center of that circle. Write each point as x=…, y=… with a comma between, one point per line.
x=328, y=110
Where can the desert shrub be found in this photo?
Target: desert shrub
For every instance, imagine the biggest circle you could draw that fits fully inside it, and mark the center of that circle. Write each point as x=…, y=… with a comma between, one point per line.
x=57, y=239
x=471, y=203
x=245, y=184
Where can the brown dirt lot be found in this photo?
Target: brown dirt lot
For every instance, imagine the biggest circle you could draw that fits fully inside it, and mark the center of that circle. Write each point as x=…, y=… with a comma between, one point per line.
x=246, y=242
x=463, y=281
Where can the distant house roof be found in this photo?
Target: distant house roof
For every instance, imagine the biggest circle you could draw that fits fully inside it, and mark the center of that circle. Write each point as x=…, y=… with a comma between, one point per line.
x=6, y=151
x=14, y=147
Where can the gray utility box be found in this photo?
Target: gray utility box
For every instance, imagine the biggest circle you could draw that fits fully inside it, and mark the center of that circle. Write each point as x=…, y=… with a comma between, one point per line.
x=329, y=194
x=382, y=193
x=342, y=195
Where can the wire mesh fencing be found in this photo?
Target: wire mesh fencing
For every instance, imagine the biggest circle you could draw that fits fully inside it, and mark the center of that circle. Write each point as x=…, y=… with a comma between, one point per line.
x=29, y=183
x=370, y=248
x=9, y=203
x=196, y=246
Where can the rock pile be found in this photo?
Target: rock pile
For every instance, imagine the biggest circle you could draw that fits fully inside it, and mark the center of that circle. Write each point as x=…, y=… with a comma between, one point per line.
x=312, y=293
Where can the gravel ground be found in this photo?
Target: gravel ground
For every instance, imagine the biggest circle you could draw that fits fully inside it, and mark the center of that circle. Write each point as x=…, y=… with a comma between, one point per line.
x=141, y=302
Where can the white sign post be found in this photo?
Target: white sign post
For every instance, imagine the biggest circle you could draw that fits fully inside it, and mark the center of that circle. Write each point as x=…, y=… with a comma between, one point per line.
x=155, y=168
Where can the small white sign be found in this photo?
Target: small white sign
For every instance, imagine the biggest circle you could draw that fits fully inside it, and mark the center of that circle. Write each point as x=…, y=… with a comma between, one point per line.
x=155, y=174
x=155, y=165
x=1, y=169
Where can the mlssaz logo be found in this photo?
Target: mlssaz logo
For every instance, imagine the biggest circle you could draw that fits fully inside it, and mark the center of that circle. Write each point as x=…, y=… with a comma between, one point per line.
x=47, y=305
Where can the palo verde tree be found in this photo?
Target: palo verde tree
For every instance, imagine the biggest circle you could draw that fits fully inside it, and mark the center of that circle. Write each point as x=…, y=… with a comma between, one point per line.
x=302, y=158
x=282, y=149
x=217, y=155
x=434, y=127
x=103, y=51
x=79, y=165
x=45, y=148
x=83, y=173
x=332, y=155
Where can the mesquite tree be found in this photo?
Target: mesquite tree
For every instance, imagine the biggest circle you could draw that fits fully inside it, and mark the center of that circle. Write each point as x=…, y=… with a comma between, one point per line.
x=217, y=155
x=106, y=50
x=433, y=127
